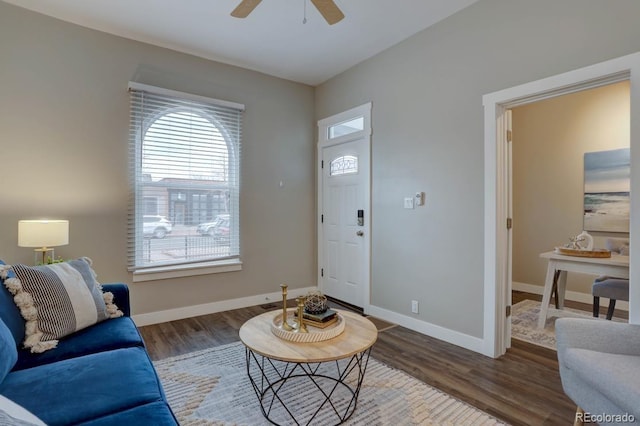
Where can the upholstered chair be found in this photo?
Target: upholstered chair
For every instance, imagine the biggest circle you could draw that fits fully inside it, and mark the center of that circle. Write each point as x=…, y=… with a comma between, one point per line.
x=611, y=288
x=600, y=369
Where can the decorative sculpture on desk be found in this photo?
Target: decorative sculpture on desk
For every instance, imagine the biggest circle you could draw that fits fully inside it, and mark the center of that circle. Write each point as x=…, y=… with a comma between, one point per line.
x=582, y=241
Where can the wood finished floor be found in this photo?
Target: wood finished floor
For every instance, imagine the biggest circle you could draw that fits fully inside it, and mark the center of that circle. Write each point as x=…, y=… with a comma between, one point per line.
x=522, y=387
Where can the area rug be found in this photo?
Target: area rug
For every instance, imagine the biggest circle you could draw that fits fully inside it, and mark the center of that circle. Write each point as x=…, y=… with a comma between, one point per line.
x=524, y=322
x=211, y=387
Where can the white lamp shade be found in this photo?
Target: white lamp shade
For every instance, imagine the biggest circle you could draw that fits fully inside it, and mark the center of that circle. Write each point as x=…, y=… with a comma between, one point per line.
x=43, y=233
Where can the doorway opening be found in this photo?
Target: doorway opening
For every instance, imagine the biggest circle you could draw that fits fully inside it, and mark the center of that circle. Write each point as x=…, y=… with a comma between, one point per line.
x=497, y=254
x=553, y=142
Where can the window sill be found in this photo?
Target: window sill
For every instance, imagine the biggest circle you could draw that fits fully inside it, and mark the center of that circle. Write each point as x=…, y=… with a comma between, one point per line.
x=189, y=270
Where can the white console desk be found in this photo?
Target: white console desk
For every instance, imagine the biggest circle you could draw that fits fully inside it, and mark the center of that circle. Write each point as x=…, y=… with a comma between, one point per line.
x=614, y=266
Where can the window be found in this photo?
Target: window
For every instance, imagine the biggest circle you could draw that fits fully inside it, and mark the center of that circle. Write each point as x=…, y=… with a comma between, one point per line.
x=185, y=163
x=347, y=164
x=346, y=127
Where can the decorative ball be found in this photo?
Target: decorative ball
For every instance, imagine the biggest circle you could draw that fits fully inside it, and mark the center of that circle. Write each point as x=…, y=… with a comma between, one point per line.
x=316, y=303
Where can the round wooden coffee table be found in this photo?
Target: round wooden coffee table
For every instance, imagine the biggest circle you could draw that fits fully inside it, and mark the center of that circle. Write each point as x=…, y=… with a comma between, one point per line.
x=307, y=383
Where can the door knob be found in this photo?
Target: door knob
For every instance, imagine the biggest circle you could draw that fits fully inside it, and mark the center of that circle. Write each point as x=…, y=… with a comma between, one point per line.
x=359, y=233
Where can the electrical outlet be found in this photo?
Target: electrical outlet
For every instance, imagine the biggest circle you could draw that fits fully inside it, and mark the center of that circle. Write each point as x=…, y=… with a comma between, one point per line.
x=414, y=306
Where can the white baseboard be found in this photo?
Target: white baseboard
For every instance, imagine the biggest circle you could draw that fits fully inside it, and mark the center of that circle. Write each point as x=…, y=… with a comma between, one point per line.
x=569, y=295
x=450, y=336
x=214, y=307
x=466, y=341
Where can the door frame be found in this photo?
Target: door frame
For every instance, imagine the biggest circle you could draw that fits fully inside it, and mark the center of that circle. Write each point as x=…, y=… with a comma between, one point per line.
x=323, y=142
x=496, y=185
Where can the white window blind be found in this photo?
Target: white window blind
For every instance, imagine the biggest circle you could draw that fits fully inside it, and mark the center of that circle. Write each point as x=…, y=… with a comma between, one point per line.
x=185, y=170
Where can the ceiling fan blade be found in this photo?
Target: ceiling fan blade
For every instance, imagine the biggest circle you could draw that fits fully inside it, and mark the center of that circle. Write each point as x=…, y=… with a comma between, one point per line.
x=245, y=8
x=329, y=10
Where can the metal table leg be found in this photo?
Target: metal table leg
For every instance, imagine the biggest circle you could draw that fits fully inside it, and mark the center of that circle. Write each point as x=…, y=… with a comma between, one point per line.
x=330, y=389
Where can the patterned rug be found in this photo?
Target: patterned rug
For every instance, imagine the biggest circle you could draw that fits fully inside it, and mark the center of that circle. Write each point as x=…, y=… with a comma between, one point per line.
x=524, y=322
x=211, y=387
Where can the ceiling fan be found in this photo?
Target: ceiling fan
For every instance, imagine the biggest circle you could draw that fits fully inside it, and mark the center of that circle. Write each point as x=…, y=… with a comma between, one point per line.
x=327, y=8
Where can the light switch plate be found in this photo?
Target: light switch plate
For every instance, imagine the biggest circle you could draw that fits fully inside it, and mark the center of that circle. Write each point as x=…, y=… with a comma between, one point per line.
x=408, y=203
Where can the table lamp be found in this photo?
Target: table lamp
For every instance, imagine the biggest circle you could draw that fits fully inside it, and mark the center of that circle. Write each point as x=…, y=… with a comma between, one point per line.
x=44, y=234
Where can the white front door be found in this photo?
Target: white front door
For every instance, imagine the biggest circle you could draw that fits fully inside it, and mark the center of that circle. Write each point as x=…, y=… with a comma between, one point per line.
x=344, y=207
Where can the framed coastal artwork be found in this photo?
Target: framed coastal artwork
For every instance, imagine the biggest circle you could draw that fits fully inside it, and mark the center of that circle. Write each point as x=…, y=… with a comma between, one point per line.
x=606, y=190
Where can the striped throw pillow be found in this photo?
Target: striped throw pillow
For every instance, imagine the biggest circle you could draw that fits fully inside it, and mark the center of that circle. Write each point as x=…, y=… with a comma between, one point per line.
x=57, y=300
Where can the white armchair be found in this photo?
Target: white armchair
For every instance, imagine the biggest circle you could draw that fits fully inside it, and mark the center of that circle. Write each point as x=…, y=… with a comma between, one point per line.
x=600, y=369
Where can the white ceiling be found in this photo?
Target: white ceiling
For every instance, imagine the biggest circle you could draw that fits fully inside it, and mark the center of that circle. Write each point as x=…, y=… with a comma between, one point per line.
x=272, y=40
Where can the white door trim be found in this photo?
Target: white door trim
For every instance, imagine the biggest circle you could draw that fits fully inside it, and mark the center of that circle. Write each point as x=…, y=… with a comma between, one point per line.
x=323, y=142
x=495, y=184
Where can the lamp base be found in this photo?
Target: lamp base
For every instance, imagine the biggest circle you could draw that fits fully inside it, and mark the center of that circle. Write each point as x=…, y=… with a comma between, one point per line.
x=41, y=256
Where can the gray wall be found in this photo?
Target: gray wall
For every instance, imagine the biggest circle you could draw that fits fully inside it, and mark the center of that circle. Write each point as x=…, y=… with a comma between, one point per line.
x=427, y=121
x=64, y=118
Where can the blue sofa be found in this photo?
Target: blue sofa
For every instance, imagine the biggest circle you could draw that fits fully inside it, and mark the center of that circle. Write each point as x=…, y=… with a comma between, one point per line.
x=101, y=375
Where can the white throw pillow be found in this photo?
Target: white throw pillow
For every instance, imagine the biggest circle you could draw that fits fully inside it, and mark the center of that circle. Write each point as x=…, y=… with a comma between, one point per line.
x=57, y=300
x=14, y=414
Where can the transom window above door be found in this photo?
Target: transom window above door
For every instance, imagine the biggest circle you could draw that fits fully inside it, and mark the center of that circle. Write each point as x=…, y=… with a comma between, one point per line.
x=346, y=127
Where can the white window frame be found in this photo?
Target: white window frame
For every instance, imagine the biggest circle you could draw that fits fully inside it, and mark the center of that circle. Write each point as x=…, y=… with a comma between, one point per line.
x=186, y=268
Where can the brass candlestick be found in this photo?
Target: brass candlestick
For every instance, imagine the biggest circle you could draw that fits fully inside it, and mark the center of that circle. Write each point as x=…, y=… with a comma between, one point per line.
x=300, y=326
x=285, y=325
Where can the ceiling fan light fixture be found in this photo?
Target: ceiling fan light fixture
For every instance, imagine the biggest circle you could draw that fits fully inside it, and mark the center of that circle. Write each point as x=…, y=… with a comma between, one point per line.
x=329, y=11
x=327, y=8
x=245, y=8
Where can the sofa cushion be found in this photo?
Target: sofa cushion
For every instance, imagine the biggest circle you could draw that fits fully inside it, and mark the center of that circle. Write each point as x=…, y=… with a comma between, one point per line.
x=8, y=351
x=9, y=312
x=15, y=415
x=616, y=376
x=85, y=388
x=155, y=413
x=57, y=300
x=105, y=336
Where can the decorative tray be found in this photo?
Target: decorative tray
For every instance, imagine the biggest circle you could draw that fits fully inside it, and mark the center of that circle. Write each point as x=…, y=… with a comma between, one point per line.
x=583, y=253
x=315, y=334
